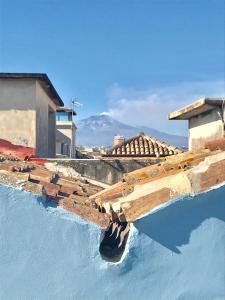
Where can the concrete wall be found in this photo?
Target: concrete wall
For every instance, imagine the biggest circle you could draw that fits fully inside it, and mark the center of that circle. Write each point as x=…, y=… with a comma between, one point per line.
x=65, y=132
x=46, y=127
x=17, y=111
x=205, y=127
x=24, y=115
x=105, y=171
x=177, y=252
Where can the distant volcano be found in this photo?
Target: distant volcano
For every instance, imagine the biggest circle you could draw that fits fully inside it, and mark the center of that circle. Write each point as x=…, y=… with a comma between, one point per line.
x=100, y=131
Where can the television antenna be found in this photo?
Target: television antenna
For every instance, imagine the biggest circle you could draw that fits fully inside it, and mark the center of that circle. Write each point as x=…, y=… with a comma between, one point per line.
x=74, y=103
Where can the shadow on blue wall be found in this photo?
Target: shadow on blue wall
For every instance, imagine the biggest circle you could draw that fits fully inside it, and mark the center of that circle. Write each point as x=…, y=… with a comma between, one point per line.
x=46, y=203
x=172, y=225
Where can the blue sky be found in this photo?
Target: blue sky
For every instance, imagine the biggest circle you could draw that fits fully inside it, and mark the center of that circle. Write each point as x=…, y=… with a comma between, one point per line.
x=134, y=59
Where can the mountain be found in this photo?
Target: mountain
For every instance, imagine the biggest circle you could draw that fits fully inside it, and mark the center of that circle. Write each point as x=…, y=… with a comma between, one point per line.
x=100, y=131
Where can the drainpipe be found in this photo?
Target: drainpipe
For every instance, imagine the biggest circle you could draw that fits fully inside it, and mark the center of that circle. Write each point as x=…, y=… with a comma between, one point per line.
x=74, y=103
x=71, y=141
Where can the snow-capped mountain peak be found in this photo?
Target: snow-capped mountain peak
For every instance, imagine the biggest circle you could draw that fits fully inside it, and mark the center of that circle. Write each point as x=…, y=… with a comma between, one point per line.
x=99, y=130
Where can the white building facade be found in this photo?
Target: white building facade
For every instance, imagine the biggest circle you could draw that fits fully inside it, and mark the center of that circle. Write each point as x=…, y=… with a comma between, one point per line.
x=65, y=133
x=205, y=121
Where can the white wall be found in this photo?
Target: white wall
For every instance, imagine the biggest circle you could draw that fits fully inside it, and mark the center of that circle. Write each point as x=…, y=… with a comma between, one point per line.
x=205, y=127
x=65, y=132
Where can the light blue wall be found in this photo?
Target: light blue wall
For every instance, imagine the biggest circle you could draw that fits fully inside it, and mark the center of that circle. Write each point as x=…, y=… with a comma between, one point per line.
x=175, y=253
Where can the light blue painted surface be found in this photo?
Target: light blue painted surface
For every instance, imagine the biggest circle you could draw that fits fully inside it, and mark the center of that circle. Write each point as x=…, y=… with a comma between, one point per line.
x=175, y=253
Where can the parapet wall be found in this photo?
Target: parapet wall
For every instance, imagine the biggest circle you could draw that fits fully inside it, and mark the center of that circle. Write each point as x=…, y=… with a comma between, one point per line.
x=108, y=171
x=175, y=253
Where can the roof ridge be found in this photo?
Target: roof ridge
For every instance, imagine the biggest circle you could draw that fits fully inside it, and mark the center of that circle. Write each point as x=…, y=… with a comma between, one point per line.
x=148, y=146
x=161, y=142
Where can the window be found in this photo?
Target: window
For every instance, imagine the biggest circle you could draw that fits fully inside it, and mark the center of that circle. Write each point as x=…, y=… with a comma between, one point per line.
x=63, y=116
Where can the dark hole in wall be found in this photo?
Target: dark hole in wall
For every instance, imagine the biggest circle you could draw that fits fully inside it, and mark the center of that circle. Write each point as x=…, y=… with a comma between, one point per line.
x=34, y=181
x=113, y=241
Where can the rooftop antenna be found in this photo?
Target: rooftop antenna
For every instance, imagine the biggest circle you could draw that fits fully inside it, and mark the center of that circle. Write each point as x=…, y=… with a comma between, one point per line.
x=74, y=103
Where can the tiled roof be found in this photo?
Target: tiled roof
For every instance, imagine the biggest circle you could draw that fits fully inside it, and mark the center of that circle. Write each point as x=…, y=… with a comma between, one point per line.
x=143, y=145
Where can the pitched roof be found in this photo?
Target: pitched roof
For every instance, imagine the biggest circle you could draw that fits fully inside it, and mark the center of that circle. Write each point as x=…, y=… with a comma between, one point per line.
x=43, y=78
x=143, y=145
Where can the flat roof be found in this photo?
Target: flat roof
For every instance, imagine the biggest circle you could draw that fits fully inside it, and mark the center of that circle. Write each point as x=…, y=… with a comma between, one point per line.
x=43, y=78
x=198, y=107
x=66, y=109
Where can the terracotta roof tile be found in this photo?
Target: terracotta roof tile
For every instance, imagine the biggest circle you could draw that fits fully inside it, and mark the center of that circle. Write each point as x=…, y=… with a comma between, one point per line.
x=143, y=145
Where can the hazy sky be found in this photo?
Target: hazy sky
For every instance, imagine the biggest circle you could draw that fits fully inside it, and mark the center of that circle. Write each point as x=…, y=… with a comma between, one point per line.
x=134, y=59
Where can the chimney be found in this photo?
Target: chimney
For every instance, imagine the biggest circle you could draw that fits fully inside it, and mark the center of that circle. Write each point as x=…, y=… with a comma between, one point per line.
x=118, y=140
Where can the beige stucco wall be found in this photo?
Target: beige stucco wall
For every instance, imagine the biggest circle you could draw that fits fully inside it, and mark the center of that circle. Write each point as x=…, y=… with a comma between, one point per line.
x=27, y=115
x=65, y=132
x=205, y=127
x=46, y=130
x=17, y=111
